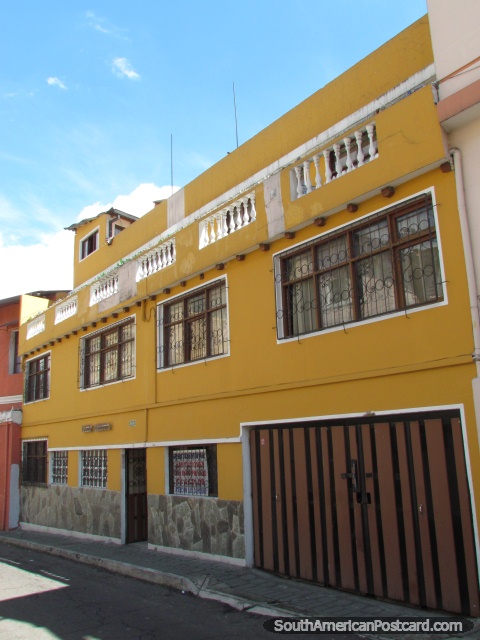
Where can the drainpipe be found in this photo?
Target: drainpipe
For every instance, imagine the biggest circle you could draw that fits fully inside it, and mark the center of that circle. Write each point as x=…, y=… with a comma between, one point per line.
x=467, y=250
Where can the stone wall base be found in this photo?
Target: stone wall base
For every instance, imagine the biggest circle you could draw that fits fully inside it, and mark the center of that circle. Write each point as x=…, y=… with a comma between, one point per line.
x=206, y=525
x=91, y=511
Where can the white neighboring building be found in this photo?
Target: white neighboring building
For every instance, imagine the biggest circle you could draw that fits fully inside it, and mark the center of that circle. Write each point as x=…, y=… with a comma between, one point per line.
x=455, y=32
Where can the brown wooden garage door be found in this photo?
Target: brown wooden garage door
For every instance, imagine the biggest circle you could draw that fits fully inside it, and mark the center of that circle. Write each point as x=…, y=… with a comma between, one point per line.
x=376, y=506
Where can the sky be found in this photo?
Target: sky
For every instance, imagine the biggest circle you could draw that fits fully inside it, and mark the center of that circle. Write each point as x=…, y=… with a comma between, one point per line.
x=120, y=103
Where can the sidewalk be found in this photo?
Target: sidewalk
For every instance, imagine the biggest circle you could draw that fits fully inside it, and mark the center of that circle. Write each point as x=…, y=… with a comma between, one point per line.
x=243, y=588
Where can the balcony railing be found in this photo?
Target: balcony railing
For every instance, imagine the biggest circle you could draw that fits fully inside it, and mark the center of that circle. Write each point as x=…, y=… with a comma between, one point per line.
x=66, y=310
x=156, y=259
x=35, y=326
x=237, y=215
x=335, y=161
x=105, y=287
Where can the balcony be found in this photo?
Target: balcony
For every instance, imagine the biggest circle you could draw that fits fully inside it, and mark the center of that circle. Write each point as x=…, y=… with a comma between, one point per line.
x=66, y=310
x=335, y=161
x=236, y=216
x=156, y=259
x=104, y=288
x=36, y=326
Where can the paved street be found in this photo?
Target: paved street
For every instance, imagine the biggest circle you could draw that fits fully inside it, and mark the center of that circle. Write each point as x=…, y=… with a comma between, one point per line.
x=43, y=597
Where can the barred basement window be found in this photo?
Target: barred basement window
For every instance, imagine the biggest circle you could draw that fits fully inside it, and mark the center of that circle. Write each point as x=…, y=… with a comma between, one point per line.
x=94, y=469
x=193, y=327
x=108, y=356
x=34, y=462
x=384, y=263
x=37, y=379
x=193, y=470
x=59, y=461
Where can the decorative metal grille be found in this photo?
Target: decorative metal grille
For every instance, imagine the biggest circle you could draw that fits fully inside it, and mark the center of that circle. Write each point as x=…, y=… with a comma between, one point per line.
x=193, y=471
x=388, y=262
x=94, y=469
x=59, y=467
x=194, y=327
x=108, y=356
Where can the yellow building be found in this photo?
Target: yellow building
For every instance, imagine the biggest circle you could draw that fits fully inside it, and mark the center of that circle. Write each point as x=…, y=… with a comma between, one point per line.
x=274, y=366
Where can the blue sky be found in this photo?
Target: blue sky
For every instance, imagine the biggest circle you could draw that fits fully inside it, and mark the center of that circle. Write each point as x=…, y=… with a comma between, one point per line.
x=93, y=93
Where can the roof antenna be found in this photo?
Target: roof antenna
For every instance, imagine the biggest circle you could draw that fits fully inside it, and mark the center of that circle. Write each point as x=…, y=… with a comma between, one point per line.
x=235, y=107
x=171, y=160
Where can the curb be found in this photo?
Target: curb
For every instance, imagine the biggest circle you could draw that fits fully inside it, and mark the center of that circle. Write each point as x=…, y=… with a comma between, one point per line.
x=170, y=580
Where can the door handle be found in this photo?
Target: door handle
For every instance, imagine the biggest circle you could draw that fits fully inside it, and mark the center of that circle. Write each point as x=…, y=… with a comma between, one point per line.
x=353, y=476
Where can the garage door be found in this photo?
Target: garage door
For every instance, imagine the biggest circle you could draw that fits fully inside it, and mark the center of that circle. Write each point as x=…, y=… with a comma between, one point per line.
x=379, y=507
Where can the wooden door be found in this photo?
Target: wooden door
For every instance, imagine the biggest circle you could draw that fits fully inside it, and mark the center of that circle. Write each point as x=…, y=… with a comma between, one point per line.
x=136, y=498
x=379, y=507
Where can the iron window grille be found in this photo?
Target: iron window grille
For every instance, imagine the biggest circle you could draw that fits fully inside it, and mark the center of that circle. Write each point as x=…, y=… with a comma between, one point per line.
x=382, y=264
x=37, y=379
x=59, y=463
x=109, y=355
x=193, y=327
x=34, y=462
x=94, y=469
x=193, y=470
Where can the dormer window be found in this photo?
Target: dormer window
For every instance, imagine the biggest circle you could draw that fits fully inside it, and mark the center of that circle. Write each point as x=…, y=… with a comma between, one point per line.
x=114, y=228
x=89, y=245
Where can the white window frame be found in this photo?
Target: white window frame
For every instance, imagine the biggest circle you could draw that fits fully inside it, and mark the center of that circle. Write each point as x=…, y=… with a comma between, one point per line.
x=83, y=241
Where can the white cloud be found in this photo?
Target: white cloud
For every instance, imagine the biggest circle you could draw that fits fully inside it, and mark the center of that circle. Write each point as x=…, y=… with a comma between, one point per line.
x=121, y=67
x=46, y=265
x=98, y=24
x=53, y=81
x=137, y=203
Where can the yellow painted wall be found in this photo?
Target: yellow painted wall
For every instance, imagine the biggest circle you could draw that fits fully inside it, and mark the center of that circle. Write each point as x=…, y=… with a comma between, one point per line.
x=31, y=306
x=156, y=470
x=230, y=471
x=393, y=363
x=73, y=468
x=407, y=53
x=114, y=466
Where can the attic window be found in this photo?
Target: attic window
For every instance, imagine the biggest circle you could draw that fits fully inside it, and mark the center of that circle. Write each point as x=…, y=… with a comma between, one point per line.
x=114, y=228
x=89, y=245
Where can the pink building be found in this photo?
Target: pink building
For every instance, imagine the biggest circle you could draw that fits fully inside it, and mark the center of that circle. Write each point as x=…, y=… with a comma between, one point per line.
x=11, y=382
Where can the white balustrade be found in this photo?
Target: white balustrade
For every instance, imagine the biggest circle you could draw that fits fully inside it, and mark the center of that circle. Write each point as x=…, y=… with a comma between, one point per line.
x=36, y=326
x=66, y=310
x=156, y=259
x=103, y=288
x=236, y=216
x=342, y=157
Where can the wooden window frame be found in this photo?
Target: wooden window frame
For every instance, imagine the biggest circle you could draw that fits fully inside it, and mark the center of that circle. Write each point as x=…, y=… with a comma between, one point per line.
x=310, y=271
x=215, y=343
x=37, y=379
x=119, y=347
